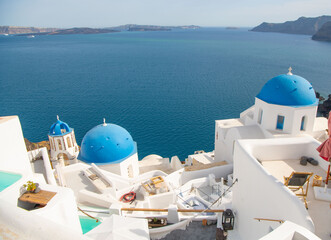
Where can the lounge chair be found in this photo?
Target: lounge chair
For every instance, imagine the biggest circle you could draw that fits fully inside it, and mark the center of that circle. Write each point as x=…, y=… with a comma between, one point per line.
x=296, y=181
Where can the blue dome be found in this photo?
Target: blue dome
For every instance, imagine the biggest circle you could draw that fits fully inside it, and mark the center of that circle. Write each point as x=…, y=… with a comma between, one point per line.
x=59, y=129
x=288, y=90
x=106, y=144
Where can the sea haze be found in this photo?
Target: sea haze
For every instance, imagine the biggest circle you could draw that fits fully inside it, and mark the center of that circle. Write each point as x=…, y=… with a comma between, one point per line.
x=166, y=88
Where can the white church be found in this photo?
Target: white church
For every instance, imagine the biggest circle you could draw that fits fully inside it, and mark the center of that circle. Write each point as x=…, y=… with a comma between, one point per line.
x=285, y=107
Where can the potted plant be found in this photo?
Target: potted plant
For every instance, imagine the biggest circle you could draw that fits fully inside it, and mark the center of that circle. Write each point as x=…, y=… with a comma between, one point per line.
x=30, y=187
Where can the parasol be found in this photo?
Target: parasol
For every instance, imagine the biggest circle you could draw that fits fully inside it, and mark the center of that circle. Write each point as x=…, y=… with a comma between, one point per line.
x=325, y=149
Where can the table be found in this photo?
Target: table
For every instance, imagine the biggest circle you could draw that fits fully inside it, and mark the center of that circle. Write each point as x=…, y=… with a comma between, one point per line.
x=41, y=198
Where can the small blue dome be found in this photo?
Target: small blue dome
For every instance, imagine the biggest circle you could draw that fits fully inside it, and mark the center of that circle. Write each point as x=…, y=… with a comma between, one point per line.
x=288, y=90
x=59, y=128
x=106, y=144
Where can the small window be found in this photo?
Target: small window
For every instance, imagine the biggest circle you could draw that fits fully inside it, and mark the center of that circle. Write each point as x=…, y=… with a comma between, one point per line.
x=50, y=143
x=69, y=142
x=303, y=123
x=280, y=122
x=59, y=144
x=260, y=116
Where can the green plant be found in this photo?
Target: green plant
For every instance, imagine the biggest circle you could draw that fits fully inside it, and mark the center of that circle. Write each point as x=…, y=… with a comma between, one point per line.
x=30, y=186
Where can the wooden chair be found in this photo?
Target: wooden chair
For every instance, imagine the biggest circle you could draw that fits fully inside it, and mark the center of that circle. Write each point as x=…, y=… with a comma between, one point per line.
x=296, y=181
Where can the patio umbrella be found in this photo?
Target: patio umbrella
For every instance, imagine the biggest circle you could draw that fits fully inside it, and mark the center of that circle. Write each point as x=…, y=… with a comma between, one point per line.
x=121, y=228
x=325, y=149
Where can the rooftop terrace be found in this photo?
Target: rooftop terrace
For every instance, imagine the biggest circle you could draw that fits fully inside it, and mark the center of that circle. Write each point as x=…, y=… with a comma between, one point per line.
x=320, y=211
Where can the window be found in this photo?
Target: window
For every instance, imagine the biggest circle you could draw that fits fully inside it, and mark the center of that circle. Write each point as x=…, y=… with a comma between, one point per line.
x=60, y=144
x=303, y=123
x=69, y=142
x=280, y=122
x=259, y=120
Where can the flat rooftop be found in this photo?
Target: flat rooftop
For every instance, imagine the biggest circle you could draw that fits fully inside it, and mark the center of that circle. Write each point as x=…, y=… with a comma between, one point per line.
x=319, y=211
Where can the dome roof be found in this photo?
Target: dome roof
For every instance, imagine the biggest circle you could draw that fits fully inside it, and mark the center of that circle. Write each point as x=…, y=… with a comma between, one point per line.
x=59, y=128
x=288, y=90
x=106, y=144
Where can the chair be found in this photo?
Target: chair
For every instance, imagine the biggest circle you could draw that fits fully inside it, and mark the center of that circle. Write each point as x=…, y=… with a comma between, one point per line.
x=296, y=181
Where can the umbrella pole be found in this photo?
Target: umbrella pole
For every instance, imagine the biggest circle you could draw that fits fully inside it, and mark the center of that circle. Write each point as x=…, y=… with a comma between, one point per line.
x=327, y=177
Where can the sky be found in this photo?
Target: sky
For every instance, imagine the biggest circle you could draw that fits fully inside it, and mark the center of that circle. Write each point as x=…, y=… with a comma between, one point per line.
x=107, y=13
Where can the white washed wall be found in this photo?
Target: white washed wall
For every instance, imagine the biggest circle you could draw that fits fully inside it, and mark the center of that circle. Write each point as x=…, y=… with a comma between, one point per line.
x=257, y=194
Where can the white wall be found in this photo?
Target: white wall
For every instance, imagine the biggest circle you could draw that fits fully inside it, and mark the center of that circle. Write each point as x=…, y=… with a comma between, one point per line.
x=257, y=194
x=42, y=152
x=14, y=157
x=162, y=200
x=176, y=163
x=219, y=172
x=122, y=167
x=61, y=209
x=293, y=116
x=21, y=224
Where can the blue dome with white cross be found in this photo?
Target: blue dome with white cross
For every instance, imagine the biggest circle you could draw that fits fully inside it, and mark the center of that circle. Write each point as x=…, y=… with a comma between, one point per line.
x=288, y=90
x=59, y=128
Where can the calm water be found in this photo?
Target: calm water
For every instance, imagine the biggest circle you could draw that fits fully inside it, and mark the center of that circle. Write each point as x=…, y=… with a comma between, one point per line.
x=7, y=179
x=165, y=88
x=87, y=224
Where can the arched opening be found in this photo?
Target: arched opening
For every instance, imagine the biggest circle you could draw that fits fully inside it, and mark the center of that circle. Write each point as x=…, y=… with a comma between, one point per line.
x=59, y=143
x=63, y=157
x=51, y=144
x=69, y=142
x=259, y=120
x=303, y=123
x=280, y=122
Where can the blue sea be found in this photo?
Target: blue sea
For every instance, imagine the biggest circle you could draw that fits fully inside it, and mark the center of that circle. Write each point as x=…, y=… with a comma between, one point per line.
x=166, y=88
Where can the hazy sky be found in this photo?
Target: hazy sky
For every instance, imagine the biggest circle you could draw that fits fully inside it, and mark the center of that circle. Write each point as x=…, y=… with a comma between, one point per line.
x=105, y=13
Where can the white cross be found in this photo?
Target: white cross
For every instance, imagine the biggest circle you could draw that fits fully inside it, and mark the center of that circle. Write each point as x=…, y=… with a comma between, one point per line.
x=289, y=71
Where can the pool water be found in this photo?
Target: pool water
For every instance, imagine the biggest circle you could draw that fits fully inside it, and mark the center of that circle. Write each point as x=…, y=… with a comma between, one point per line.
x=7, y=179
x=87, y=223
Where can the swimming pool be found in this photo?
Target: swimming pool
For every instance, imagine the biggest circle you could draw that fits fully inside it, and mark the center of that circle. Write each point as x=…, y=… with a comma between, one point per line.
x=7, y=179
x=87, y=223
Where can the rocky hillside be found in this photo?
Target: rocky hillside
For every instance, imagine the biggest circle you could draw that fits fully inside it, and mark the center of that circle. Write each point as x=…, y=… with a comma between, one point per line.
x=324, y=33
x=24, y=30
x=324, y=106
x=303, y=25
x=32, y=146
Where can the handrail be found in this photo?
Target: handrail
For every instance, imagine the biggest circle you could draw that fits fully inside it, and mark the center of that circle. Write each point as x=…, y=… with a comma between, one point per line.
x=166, y=210
x=271, y=220
x=97, y=220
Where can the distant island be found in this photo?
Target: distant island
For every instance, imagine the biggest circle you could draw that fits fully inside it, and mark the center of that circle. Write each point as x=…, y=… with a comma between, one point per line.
x=324, y=33
x=135, y=27
x=23, y=30
x=26, y=31
x=318, y=26
x=73, y=31
x=303, y=25
x=148, y=28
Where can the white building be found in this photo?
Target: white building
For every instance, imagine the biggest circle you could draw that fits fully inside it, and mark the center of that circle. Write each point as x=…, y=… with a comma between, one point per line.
x=112, y=148
x=62, y=143
x=265, y=145
x=286, y=106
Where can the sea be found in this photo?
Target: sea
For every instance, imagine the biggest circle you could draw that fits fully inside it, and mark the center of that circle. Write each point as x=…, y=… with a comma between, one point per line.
x=166, y=88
